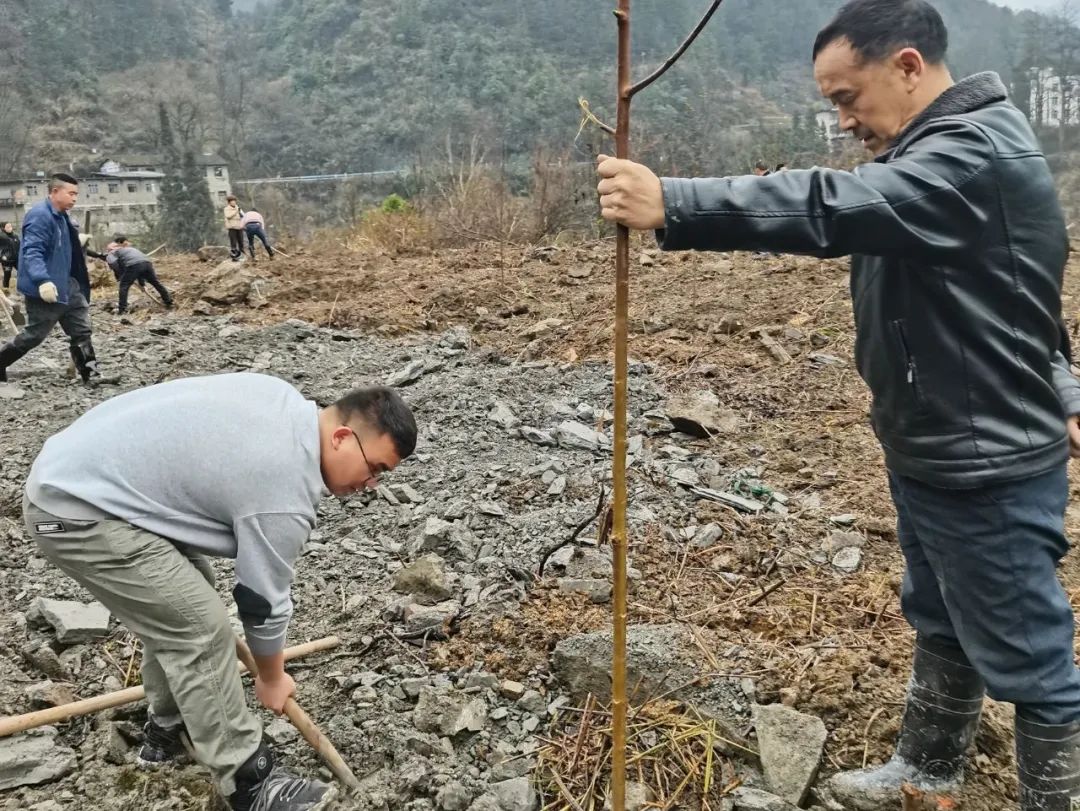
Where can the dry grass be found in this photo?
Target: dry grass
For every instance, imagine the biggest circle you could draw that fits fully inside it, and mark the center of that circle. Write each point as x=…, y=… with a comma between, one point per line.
x=680, y=757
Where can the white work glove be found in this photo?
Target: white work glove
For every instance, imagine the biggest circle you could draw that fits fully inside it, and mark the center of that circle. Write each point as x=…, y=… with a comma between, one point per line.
x=47, y=292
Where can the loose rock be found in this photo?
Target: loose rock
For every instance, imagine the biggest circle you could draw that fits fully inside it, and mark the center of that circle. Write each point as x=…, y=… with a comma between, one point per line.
x=73, y=622
x=515, y=795
x=700, y=414
x=449, y=712
x=791, y=744
x=33, y=757
x=752, y=799
x=425, y=579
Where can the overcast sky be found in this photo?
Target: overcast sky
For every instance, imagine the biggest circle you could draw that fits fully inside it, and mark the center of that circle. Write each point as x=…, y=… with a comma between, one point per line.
x=1041, y=5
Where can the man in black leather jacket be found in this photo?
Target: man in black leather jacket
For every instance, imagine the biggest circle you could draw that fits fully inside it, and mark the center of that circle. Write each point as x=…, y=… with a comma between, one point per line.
x=959, y=247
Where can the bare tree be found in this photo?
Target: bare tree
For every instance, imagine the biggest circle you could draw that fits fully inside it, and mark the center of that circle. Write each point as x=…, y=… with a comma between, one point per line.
x=15, y=125
x=1063, y=50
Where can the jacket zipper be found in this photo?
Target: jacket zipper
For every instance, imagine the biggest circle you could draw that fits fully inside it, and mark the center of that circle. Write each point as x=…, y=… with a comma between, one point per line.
x=908, y=359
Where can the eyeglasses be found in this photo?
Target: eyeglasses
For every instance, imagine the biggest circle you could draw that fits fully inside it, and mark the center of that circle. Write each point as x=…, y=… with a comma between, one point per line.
x=373, y=474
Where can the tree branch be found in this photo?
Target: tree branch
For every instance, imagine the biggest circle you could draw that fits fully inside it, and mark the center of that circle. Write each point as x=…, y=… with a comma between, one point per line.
x=589, y=118
x=660, y=71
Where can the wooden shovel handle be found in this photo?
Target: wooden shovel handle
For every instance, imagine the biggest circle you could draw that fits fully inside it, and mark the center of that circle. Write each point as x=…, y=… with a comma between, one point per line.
x=305, y=726
x=54, y=715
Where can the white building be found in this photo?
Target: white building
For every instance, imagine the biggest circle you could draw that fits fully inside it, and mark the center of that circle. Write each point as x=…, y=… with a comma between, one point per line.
x=828, y=121
x=1055, y=100
x=120, y=197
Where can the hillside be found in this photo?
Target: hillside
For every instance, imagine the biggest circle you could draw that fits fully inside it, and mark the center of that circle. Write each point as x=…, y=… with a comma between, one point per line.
x=301, y=86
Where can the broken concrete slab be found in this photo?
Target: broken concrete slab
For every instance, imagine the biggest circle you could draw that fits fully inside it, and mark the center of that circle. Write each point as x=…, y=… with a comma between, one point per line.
x=791, y=744
x=33, y=757
x=72, y=621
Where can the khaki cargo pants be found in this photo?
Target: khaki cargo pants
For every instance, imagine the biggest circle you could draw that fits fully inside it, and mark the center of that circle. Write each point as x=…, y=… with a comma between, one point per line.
x=164, y=594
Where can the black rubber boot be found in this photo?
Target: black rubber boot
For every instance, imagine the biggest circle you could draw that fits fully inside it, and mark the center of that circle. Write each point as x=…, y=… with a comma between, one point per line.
x=945, y=698
x=8, y=355
x=86, y=362
x=161, y=745
x=261, y=787
x=1048, y=765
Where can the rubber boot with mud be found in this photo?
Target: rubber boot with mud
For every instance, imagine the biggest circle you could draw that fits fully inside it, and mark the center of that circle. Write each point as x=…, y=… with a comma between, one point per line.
x=161, y=744
x=261, y=787
x=1048, y=765
x=944, y=700
x=82, y=353
x=8, y=355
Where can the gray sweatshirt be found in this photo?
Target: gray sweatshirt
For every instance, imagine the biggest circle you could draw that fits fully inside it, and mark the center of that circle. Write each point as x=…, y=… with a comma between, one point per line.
x=227, y=464
x=123, y=259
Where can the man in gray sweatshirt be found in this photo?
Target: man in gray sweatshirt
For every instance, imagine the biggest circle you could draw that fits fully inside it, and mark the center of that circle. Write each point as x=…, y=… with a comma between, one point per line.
x=228, y=466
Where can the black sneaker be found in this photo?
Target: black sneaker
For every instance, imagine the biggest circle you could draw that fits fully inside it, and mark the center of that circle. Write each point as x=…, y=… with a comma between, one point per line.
x=281, y=791
x=262, y=787
x=162, y=745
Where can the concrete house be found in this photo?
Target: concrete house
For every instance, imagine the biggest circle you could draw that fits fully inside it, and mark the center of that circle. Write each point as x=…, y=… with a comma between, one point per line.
x=120, y=196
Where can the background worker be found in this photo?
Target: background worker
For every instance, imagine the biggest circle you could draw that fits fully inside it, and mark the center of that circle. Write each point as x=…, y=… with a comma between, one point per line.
x=234, y=226
x=959, y=247
x=130, y=265
x=255, y=226
x=54, y=281
x=9, y=251
x=133, y=519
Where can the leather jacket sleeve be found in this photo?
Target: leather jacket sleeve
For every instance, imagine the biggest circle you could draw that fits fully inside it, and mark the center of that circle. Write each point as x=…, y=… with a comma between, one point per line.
x=917, y=204
x=1066, y=385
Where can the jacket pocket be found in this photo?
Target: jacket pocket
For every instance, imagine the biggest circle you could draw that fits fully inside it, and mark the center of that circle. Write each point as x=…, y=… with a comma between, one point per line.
x=911, y=370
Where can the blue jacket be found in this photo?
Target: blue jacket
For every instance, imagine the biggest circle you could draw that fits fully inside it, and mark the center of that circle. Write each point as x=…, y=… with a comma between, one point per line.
x=43, y=257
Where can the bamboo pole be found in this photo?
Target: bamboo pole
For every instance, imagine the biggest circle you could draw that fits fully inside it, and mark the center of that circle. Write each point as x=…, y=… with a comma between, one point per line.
x=618, y=470
x=619, y=543
x=308, y=728
x=54, y=715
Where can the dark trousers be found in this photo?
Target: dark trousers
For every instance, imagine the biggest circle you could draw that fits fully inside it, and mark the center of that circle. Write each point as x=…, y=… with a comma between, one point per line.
x=41, y=317
x=8, y=268
x=981, y=577
x=236, y=242
x=255, y=230
x=142, y=272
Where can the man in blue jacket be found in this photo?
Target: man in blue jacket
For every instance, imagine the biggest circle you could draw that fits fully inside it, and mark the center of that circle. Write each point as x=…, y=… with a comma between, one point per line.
x=959, y=248
x=54, y=281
